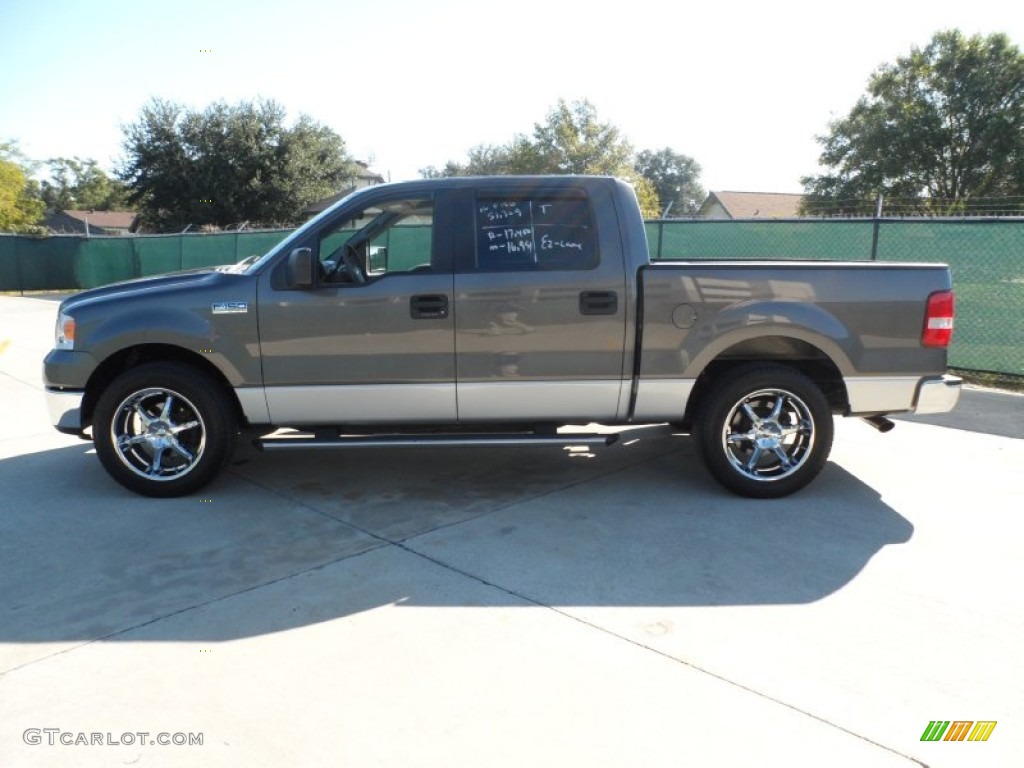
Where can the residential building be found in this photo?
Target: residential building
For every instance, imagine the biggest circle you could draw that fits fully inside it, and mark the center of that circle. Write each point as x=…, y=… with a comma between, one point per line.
x=750, y=205
x=90, y=222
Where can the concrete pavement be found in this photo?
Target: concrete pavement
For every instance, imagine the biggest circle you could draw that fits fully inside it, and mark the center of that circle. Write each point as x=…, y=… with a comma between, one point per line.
x=982, y=410
x=507, y=606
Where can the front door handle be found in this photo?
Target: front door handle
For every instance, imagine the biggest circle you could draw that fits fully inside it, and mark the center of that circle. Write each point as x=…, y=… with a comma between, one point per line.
x=599, y=303
x=429, y=307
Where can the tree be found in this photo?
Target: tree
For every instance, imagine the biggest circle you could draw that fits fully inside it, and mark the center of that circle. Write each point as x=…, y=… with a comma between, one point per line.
x=574, y=140
x=571, y=140
x=228, y=164
x=81, y=184
x=944, y=126
x=516, y=157
x=19, y=210
x=675, y=178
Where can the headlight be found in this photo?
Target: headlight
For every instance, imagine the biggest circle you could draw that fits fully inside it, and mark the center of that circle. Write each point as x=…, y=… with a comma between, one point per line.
x=65, y=332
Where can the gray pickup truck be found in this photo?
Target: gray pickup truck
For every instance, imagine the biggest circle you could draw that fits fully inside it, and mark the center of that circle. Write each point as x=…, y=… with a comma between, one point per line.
x=492, y=311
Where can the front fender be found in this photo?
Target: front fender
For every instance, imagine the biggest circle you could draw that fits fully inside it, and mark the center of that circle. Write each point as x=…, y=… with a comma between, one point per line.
x=176, y=328
x=215, y=318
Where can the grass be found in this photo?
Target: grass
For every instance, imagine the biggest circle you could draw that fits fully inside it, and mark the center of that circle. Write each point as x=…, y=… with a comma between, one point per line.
x=991, y=380
x=51, y=292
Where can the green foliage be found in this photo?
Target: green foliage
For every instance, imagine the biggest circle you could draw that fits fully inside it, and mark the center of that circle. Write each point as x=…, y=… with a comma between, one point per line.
x=19, y=209
x=77, y=184
x=10, y=152
x=675, y=178
x=573, y=140
x=944, y=126
x=228, y=164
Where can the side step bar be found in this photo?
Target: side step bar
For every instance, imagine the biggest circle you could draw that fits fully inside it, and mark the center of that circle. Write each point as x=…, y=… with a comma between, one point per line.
x=288, y=442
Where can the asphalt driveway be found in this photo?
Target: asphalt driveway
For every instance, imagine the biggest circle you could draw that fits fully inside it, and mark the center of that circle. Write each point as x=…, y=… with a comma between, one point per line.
x=519, y=607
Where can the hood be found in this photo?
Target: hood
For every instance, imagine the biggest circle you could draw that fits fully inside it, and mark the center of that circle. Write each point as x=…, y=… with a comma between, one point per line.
x=139, y=287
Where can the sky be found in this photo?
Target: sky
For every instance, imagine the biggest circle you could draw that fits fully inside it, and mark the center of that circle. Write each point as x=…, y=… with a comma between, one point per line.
x=743, y=87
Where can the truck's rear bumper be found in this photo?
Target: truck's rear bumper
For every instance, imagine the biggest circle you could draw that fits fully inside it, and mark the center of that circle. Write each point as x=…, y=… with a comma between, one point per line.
x=65, y=409
x=938, y=395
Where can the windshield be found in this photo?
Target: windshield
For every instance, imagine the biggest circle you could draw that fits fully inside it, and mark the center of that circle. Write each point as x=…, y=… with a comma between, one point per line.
x=255, y=266
x=240, y=267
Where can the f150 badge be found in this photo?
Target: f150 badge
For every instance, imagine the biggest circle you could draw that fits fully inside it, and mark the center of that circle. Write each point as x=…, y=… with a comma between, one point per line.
x=230, y=307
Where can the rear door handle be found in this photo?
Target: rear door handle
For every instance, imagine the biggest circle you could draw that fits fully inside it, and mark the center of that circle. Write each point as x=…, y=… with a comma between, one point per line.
x=429, y=307
x=599, y=303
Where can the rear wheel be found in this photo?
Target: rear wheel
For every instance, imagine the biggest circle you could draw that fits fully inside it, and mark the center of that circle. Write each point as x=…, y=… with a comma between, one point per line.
x=765, y=432
x=164, y=429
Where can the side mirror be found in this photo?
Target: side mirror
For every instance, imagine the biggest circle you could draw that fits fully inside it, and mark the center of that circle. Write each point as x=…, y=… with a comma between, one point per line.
x=300, y=270
x=378, y=259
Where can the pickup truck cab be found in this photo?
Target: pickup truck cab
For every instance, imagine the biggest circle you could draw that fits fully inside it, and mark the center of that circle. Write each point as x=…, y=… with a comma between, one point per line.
x=491, y=311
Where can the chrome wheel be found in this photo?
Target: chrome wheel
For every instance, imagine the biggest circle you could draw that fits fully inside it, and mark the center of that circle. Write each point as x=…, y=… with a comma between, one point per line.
x=164, y=429
x=768, y=435
x=764, y=430
x=158, y=434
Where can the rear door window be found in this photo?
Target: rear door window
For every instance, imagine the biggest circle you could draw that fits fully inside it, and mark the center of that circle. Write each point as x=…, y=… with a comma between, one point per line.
x=534, y=233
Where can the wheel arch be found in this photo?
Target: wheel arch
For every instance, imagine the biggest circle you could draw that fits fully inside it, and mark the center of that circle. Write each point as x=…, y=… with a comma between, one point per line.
x=131, y=357
x=793, y=352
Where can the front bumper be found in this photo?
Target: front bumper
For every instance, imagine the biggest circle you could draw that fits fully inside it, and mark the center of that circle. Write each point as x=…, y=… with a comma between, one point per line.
x=65, y=409
x=938, y=395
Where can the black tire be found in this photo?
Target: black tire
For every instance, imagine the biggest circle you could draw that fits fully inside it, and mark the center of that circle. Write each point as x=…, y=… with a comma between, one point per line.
x=765, y=431
x=164, y=429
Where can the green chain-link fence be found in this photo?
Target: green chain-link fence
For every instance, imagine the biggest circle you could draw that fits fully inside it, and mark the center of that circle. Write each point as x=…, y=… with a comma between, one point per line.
x=770, y=239
x=986, y=256
x=70, y=262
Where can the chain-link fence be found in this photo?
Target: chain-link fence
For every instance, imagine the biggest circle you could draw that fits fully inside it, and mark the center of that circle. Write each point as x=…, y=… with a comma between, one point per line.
x=815, y=239
x=986, y=256
x=72, y=262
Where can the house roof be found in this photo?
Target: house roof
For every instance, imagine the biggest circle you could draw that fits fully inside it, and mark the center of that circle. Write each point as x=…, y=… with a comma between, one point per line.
x=367, y=174
x=756, y=205
x=364, y=178
x=89, y=222
x=327, y=202
x=105, y=219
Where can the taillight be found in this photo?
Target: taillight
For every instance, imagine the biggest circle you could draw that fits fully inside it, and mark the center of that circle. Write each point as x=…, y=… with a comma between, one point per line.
x=938, y=320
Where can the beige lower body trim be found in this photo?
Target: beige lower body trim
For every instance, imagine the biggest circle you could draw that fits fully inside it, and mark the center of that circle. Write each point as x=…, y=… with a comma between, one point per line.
x=881, y=394
x=662, y=399
x=361, y=404
x=254, y=404
x=540, y=400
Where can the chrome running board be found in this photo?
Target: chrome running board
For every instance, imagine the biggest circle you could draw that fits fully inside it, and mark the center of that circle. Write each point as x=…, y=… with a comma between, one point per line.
x=292, y=442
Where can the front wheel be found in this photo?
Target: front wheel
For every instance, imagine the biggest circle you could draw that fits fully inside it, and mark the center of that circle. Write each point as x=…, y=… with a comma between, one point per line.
x=765, y=432
x=163, y=429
